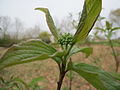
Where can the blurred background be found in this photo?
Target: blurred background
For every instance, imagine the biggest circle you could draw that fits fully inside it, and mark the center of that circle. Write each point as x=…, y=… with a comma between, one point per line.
x=19, y=20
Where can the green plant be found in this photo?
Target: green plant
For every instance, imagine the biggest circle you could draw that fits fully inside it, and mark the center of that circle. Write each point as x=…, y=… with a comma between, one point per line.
x=70, y=76
x=34, y=50
x=45, y=37
x=108, y=32
x=96, y=61
x=15, y=83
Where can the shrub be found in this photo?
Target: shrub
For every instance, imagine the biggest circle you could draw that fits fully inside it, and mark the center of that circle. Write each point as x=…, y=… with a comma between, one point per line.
x=34, y=50
x=45, y=37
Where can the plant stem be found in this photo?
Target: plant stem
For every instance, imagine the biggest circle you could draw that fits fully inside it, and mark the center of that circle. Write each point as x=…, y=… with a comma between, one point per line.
x=71, y=78
x=70, y=83
x=115, y=56
x=62, y=68
x=61, y=77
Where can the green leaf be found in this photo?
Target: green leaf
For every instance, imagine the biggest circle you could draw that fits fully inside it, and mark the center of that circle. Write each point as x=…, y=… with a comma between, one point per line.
x=101, y=29
x=69, y=65
x=20, y=81
x=108, y=25
x=58, y=54
x=101, y=18
x=109, y=35
x=90, y=13
x=100, y=79
x=116, y=75
x=116, y=28
x=25, y=52
x=2, y=80
x=87, y=50
x=35, y=81
x=50, y=22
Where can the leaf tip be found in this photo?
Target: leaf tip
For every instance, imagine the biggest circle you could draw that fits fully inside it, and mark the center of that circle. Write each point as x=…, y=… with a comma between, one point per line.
x=45, y=10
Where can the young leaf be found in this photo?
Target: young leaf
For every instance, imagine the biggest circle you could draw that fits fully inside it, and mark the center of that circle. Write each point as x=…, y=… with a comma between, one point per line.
x=58, y=54
x=35, y=81
x=90, y=13
x=100, y=79
x=116, y=28
x=29, y=51
x=86, y=50
x=108, y=25
x=50, y=21
x=116, y=75
x=20, y=81
x=101, y=29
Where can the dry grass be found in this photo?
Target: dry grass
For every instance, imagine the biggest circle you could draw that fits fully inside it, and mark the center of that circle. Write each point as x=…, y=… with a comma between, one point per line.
x=48, y=69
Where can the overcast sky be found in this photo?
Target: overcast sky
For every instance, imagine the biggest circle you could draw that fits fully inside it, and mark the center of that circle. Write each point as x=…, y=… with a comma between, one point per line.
x=24, y=9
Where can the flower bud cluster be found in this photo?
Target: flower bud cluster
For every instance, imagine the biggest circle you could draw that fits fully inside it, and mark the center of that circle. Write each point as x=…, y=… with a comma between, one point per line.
x=65, y=39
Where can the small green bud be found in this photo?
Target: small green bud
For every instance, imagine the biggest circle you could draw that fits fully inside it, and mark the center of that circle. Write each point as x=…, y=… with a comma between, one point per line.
x=65, y=39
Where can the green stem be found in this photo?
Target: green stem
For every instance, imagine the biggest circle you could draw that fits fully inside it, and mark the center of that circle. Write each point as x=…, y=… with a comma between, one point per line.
x=115, y=56
x=62, y=68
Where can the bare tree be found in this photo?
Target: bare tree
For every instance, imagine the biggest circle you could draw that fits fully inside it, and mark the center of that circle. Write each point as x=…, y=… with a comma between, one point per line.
x=5, y=23
x=115, y=16
x=18, y=27
x=32, y=32
x=69, y=23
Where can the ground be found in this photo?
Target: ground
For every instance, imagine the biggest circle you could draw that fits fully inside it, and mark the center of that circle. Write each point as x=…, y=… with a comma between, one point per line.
x=101, y=57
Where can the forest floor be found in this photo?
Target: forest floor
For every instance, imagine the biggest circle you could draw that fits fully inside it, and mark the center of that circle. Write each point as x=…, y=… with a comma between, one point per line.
x=102, y=57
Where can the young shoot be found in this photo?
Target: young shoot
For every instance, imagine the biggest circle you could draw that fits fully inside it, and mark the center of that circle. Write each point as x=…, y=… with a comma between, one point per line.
x=34, y=50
